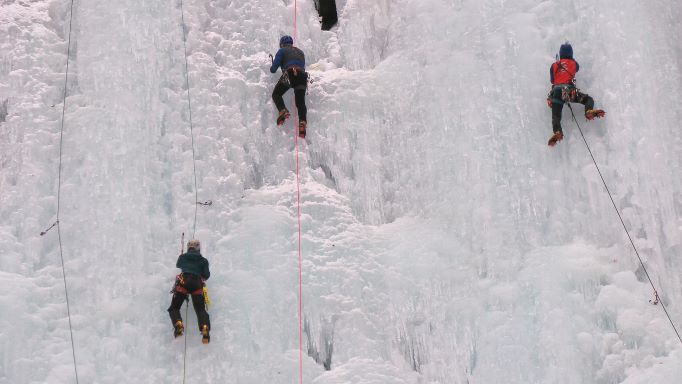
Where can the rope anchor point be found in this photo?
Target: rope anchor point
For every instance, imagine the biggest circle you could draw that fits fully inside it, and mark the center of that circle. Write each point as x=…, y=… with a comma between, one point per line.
x=656, y=299
x=48, y=230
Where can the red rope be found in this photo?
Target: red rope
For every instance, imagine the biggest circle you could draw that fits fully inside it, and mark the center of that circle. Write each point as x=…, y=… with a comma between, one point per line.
x=300, y=274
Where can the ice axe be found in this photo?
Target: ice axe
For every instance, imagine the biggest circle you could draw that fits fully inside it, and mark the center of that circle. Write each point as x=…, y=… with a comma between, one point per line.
x=182, y=244
x=182, y=250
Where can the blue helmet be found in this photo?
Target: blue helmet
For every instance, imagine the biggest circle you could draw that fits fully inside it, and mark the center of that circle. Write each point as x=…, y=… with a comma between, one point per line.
x=286, y=40
x=566, y=51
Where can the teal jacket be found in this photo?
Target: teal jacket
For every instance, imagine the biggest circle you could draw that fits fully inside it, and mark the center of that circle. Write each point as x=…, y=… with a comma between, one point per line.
x=193, y=262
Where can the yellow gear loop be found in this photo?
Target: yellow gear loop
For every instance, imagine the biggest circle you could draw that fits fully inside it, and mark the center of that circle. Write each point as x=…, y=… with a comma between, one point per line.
x=206, y=298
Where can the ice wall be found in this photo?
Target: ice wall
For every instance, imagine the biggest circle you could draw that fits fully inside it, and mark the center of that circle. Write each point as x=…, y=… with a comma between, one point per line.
x=443, y=241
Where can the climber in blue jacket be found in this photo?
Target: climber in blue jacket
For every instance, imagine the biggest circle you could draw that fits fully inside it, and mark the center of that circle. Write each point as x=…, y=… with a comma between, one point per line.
x=292, y=61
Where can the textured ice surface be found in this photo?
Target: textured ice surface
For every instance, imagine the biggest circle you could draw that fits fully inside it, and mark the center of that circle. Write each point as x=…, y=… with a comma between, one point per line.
x=442, y=240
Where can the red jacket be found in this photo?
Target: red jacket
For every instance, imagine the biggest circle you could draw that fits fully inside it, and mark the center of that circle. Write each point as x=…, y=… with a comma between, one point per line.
x=563, y=71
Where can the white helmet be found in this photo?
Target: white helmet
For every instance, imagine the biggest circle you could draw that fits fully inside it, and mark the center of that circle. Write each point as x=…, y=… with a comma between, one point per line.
x=194, y=244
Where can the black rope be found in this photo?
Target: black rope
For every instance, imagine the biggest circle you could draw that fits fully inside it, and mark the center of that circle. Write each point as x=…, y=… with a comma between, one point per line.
x=194, y=168
x=625, y=228
x=191, y=125
x=59, y=189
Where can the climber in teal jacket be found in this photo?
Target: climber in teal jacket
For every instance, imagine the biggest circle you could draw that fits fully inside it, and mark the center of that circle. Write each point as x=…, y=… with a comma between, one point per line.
x=191, y=283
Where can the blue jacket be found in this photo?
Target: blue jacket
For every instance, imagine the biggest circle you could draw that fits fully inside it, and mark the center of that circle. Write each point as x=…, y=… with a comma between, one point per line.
x=193, y=262
x=287, y=57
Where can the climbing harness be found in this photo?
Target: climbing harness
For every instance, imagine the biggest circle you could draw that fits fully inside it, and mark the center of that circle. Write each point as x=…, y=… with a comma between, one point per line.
x=568, y=93
x=180, y=285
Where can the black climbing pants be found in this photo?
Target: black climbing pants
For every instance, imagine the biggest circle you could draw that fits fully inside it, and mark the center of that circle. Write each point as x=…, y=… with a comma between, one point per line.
x=575, y=96
x=192, y=283
x=298, y=80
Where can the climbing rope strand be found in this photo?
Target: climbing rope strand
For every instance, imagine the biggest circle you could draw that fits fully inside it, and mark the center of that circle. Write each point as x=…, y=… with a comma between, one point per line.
x=300, y=258
x=641, y=262
x=68, y=310
x=184, y=353
x=194, y=170
x=191, y=125
x=59, y=189
x=300, y=273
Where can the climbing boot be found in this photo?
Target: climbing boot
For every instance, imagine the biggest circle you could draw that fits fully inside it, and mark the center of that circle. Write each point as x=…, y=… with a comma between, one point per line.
x=592, y=113
x=179, y=328
x=283, y=116
x=205, y=337
x=556, y=137
x=301, y=128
